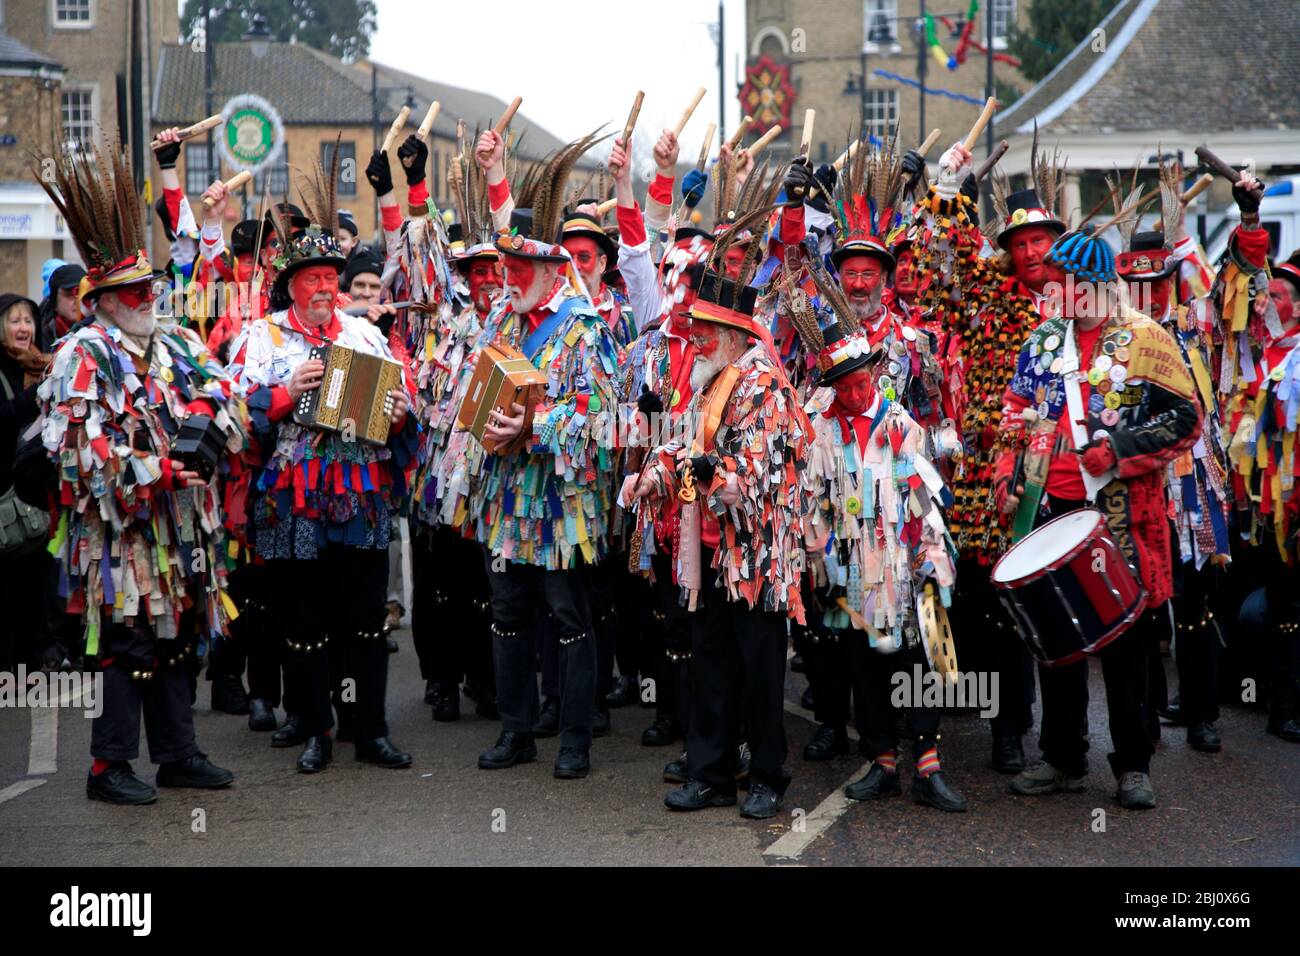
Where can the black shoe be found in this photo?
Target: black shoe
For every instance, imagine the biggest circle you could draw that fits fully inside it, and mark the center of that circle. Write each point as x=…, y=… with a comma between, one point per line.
x=196, y=771
x=548, y=721
x=228, y=695
x=316, y=755
x=623, y=693
x=743, y=762
x=119, y=784
x=878, y=783
x=572, y=764
x=446, y=707
x=382, y=753
x=392, y=644
x=1172, y=713
x=1288, y=730
x=431, y=691
x=486, y=707
x=675, y=770
x=261, y=715
x=1205, y=738
x=807, y=701
x=661, y=733
x=935, y=791
x=696, y=795
x=829, y=742
x=761, y=803
x=289, y=733
x=1008, y=755
x=512, y=747
x=797, y=664
x=600, y=723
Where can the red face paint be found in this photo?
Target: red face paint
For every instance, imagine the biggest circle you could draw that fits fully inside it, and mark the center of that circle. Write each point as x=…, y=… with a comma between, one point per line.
x=484, y=280
x=1150, y=296
x=1028, y=246
x=134, y=296
x=855, y=391
x=591, y=262
x=1284, y=298
x=735, y=256
x=704, y=336
x=520, y=274
x=905, y=278
x=314, y=290
x=861, y=276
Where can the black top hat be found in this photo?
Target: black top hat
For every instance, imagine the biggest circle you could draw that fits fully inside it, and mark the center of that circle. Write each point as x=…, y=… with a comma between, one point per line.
x=1024, y=208
x=294, y=218
x=522, y=244
x=1147, y=258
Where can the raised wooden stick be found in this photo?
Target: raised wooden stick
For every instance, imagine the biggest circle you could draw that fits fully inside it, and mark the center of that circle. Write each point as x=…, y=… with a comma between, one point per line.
x=760, y=144
x=704, y=149
x=399, y=124
x=189, y=132
x=427, y=123
x=1194, y=190
x=686, y=116
x=805, y=146
x=973, y=136
x=986, y=167
x=930, y=141
x=231, y=184
x=847, y=155
x=507, y=116
x=603, y=209
x=740, y=132
x=1217, y=165
x=628, y=127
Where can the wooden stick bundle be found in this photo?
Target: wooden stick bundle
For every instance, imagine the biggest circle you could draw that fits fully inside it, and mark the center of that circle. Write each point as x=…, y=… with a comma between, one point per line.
x=805, y=146
x=1217, y=165
x=986, y=167
x=686, y=116
x=628, y=127
x=930, y=140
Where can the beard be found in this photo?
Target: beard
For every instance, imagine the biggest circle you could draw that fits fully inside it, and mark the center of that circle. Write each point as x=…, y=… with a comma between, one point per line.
x=137, y=323
x=525, y=302
x=706, y=368
x=864, y=309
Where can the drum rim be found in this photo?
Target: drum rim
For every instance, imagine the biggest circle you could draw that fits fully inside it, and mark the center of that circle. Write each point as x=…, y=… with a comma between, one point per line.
x=1061, y=561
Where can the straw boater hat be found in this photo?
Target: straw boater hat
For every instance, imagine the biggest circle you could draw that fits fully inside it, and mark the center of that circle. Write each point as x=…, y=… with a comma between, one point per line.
x=865, y=206
x=93, y=189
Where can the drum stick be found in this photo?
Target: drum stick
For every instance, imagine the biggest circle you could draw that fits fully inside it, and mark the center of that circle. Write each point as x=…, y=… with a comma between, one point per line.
x=809, y=117
x=1216, y=165
x=930, y=141
x=398, y=125
x=507, y=116
x=189, y=132
x=761, y=143
x=427, y=124
x=986, y=167
x=740, y=132
x=704, y=149
x=603, y=209
x=231, y=184
x=973, y=136
x=686, y=116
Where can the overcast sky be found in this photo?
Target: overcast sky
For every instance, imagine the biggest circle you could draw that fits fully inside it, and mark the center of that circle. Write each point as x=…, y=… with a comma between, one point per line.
x=530, y=48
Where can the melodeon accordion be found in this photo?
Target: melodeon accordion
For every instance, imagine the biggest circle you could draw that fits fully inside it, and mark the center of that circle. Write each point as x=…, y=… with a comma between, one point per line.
x=354, y=389
x=503, y=377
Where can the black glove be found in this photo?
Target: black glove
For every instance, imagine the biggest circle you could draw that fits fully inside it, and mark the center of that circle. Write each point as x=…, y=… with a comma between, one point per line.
x=378, y=174
x=702, y=468
x=1247, y=199
x=827, y=175
x=649, y=403
x=414, y=157
x=825, y=184
x=167, y=155
x=970, y=188
x=913, y=166
x=799, y=180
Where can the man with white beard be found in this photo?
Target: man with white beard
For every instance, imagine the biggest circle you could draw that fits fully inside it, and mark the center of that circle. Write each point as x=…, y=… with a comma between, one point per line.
x=139, y=526
x=541, y=505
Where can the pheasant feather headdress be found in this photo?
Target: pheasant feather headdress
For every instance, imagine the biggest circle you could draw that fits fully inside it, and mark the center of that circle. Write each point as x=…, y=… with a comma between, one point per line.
x=867, y=202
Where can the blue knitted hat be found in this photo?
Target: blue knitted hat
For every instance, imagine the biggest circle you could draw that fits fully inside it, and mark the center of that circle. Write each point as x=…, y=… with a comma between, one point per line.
x=1083, y=255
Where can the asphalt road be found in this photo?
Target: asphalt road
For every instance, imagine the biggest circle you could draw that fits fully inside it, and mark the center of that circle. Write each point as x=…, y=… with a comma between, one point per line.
x=1240, y=807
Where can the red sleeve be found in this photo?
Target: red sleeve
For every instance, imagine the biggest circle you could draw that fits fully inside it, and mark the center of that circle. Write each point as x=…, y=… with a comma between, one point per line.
x=165, y=481
x=631, y=227
x=281, y=403
x=173, y=199
x=391, y=217
x=418, y=194
x=499, y=193
x=661, y=189
x=793, y=228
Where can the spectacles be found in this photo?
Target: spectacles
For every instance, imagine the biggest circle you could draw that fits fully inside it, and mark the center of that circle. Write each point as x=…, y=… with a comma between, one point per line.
x=861, y=275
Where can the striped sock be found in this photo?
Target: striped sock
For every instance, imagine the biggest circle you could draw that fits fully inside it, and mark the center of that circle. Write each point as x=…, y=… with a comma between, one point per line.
x=928, y=762
x=888, y=761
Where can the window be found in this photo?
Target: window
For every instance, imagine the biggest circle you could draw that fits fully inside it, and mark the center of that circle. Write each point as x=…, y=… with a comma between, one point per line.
x=880, y=19
x=1004, y=17
x=198, y=177
x=77, y=109
x=881, y=113
x=73, y=13
x=347, y=184
x=279, y=173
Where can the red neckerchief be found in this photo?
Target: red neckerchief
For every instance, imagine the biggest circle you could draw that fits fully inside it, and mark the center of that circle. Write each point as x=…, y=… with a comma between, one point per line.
x=877, y=335
x=854, y=423
x=329, y=331
x=681, y=356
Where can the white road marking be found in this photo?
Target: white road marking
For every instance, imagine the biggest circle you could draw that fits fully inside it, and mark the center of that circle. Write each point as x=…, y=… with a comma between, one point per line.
x=43, y=754
x=22, y=786
x=793, y=843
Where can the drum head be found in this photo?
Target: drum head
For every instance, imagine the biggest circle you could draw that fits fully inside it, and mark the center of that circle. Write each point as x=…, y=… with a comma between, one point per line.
x=1046, y=546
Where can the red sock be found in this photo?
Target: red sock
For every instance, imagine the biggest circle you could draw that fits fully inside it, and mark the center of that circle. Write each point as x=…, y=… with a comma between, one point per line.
x=99, y=766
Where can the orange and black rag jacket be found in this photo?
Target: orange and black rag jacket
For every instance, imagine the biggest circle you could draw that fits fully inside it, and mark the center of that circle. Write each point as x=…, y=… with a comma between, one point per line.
x=1137, y=396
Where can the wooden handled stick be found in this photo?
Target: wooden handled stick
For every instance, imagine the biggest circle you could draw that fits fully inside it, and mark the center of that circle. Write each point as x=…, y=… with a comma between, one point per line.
x=507, y=116
x=986, y=167
x=930, y=141
x=973, y=136
x=809, y=117
x=1194, y=190
x=1217, y=165
x=189, y=132
x=427, y=123
x=231, y=184
x=760, y=144
x=628, y=127
x=603, y=209
x=847, y=155
x=704, y=149
x=686, y=116
x=399, y=124
x=740, y=132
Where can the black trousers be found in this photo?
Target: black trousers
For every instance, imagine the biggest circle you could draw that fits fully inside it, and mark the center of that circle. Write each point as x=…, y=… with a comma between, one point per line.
x=873, y=684
x=519, y=591
x=986, y=641
x=451, y=620
x=826, y=662
x=669, y=647
x=25, y=580
x=164, y=700
x=737, y=669
x=1272, y=615
x=335, y=601
x=607, y=620
x=1197, y=644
